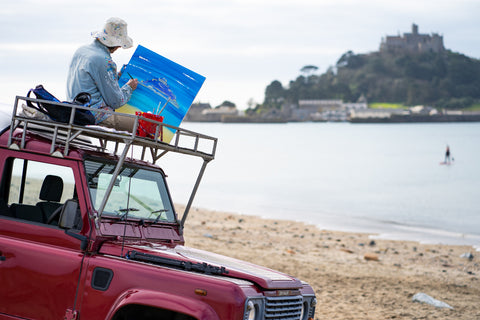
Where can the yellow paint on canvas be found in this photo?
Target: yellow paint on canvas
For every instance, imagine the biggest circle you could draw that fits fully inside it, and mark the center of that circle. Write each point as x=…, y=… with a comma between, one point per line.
x=127, y=109
x=167, y=135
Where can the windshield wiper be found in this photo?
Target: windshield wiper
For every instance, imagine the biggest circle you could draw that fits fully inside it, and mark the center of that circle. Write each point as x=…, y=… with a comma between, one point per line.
x=159, y=214
x=126, y=210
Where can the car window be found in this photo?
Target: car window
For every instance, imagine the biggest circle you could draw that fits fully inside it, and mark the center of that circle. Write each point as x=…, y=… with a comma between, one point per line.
x=34, y=175
x=36, y=191
x=141, y=192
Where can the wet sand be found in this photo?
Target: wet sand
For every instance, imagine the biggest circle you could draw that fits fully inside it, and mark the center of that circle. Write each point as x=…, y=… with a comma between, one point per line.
x=354, y=277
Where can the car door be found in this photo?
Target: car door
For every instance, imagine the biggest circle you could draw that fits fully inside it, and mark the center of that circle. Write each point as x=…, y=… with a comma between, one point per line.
x=39, y=263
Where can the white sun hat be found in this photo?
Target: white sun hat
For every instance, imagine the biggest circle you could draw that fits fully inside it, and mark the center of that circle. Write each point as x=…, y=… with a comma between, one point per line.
x=114, y=34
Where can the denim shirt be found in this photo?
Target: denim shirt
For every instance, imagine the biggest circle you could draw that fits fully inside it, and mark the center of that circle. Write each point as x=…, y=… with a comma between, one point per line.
x=92, y=70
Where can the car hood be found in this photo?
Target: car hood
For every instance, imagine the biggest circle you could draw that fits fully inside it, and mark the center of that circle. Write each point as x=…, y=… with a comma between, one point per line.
x=263, y=277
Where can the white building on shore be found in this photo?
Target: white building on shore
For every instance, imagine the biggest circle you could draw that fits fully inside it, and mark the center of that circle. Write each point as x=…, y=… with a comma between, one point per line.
x=327, y=109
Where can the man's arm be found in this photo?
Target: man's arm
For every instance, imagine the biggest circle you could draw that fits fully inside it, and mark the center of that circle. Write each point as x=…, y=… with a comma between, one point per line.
x=107, y=83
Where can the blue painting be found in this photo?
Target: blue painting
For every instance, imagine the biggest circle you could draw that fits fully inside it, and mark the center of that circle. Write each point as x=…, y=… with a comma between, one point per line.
x=164, y=88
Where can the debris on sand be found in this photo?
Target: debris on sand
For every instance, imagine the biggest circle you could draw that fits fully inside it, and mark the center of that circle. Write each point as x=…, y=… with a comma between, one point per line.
x=425, y=298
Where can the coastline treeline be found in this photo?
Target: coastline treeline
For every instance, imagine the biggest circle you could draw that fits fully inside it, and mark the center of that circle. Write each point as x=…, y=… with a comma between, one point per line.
x=443, y=80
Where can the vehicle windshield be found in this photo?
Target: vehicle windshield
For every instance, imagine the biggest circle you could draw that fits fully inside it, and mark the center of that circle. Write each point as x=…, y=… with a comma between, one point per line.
x=137, y=193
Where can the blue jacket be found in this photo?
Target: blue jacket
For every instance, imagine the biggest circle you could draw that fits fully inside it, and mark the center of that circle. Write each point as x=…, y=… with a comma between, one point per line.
x=92, y=70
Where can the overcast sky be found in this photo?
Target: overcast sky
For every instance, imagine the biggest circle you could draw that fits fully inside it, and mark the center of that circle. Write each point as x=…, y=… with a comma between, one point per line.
x=239, y=46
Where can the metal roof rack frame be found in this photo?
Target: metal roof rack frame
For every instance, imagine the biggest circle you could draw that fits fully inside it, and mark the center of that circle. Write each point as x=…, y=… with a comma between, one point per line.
x=69, y=135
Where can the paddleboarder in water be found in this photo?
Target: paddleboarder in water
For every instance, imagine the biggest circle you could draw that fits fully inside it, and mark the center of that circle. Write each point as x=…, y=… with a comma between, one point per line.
x=447, y=155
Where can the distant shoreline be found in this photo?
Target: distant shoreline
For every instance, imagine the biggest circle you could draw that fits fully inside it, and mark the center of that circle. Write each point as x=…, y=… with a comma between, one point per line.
x=394, y=118
x=382, y=230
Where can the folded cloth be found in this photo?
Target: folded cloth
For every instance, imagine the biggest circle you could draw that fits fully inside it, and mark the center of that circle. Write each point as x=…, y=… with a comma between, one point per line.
x=29, y=112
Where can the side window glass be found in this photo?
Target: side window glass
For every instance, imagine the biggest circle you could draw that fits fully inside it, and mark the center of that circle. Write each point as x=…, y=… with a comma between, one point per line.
x=57, y=182
x=37, y=190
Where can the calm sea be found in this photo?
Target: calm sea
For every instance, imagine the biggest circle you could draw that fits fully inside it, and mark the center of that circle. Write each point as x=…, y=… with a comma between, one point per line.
x=384, y=179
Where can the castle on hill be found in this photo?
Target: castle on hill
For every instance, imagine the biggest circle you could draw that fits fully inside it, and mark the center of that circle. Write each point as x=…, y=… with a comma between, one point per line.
x=413, y=42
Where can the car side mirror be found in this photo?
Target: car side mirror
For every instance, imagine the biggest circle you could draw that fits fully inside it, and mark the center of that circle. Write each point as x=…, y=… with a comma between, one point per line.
x=69, y=215
x=71, y=218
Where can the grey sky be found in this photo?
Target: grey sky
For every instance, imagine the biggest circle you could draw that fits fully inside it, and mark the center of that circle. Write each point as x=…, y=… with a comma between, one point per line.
x=239, y=46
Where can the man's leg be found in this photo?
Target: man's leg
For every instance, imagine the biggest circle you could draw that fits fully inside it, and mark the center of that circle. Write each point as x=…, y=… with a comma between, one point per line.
x=119, y=122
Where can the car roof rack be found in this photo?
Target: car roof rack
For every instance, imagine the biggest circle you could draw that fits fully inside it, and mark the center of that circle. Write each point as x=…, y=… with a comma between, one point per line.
x=69, y=135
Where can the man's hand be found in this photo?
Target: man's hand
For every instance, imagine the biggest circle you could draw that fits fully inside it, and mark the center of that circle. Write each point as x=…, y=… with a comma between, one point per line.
x=133, y=83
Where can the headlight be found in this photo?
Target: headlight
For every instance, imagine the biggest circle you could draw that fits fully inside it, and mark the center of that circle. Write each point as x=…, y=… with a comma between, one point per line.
x=254, y=308
x=250, y=311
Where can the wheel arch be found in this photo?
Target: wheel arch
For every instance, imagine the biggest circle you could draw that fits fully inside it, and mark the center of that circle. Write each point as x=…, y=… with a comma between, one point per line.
x=164, y=301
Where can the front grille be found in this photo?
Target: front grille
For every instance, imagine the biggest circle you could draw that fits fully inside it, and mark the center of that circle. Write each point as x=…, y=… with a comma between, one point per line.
x=284, y=308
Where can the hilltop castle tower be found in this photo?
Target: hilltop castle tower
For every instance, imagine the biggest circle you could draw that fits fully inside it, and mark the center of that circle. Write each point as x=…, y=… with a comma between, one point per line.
x=413, y=42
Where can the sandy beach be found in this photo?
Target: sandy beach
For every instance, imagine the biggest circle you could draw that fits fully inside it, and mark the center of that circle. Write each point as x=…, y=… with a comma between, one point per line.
x=354, y=276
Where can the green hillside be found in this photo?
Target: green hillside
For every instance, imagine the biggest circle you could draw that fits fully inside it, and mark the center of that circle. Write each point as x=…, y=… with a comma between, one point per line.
x=444, y=80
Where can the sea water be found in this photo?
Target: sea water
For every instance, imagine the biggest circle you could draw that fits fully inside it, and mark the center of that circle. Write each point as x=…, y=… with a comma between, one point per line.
x=377, y=178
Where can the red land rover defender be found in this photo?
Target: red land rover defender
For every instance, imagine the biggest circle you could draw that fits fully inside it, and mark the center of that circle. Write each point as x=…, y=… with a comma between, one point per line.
x=89, y=232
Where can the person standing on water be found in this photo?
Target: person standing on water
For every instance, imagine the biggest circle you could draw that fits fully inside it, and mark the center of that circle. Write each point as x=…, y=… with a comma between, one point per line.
x=447, y=155
x=92, y=70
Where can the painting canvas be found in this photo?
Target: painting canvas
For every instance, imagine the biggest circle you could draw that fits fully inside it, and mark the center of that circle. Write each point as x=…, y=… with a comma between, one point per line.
x=164, y=88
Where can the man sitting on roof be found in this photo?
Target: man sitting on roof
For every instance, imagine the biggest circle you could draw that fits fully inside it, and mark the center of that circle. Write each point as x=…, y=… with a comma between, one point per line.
x=92, y=70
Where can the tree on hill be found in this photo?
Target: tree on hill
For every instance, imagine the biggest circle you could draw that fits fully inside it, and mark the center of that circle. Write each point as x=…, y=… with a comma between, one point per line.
x=226, y=103
x=308, y=70
x=274, y=95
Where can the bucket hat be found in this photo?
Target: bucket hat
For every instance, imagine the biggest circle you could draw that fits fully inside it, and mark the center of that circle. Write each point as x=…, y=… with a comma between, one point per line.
x=114, y=34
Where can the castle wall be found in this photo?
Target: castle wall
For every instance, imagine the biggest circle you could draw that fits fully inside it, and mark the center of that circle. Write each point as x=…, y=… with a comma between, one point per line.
x=413, y=42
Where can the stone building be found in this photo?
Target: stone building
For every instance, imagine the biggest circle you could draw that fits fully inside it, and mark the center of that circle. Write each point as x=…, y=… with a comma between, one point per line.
x=326, y=110
x=203, y=112
x=195, y=113
x=413, y=42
